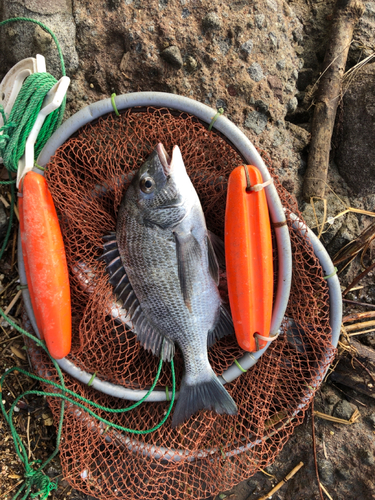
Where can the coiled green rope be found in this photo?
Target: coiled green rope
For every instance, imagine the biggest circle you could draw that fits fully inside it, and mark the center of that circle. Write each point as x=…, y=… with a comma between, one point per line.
x=18, y=124
x=16, y=129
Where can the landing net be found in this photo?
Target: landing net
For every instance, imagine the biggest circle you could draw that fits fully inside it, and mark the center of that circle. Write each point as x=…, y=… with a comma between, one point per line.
x=209, y=453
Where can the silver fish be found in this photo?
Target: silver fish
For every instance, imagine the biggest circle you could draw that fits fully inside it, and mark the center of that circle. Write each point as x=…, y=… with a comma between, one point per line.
x=166, y=275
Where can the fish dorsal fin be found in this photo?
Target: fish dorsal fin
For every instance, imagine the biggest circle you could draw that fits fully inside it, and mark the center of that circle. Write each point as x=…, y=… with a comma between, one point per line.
x=148, y=336
x=218, y=247
x=213, y=265
x=188, y=253
x=223, y=327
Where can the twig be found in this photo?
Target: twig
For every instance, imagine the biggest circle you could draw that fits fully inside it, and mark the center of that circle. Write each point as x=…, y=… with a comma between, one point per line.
x=15, y=207
x=346, y=15
x=362, y=304
x=4, y=495
x=356, y=316
x=353, y=334
x=8, y=285
x=9, y=308
x=282, y=482
x=350, y=397
x=326, y=492
x=355, y=246
x=314, y=449
x=14, y=250
x=358, y=279
x=351, y=421
x=4, y=201
x=28, y=436
x=365, y=368
x=357, y=326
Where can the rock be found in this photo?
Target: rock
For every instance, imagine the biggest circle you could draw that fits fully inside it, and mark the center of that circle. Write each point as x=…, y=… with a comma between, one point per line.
x=125, y=62
x=57, y=15
x=50, y=7
x=261, y=106
x=172, y=55
x=274, y=40
x=326, y=472
x=371, y=419
x=255, y=71
x=256, y=121
x=190, y=64
x=276, y=86
x=344, y=409
x=185, y=13
x=297, y=35
x=355, y=156
x=42, y=40
x=292, y=105
x=280, y=65
x=366, y=456
x=260, y=20
x=343, y=473
x=220, y=103
x=246, y=48
x=211, y=22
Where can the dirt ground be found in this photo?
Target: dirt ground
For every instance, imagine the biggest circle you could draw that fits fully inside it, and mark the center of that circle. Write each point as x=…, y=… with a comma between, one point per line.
x=259, y=60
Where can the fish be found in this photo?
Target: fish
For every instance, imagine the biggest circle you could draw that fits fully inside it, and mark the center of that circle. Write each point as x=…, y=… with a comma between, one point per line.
x=162, y=264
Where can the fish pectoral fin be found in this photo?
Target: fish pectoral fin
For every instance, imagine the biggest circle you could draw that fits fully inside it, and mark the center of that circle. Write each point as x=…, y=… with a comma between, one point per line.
x=218, y=248
x=189, y=253
x=213, y=265
x=223, y=327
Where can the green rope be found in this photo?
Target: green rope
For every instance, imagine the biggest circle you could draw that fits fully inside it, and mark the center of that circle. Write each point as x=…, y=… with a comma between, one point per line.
x=17, y=127
x=36, y=478
x=22, y=117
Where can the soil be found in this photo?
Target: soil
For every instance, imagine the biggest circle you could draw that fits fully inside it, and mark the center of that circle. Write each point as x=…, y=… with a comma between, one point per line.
x=259, y=61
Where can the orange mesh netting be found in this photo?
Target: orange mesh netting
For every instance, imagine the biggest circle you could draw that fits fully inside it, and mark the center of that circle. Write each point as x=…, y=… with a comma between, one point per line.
x=87, y=177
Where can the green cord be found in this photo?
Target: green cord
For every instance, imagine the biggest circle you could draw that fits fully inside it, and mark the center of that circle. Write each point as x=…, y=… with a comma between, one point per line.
x=16, y=128
x=220, y=111
x=114, y=104
x=331, y=275
x=240, y=367
x=36, y=477
x=22, y=117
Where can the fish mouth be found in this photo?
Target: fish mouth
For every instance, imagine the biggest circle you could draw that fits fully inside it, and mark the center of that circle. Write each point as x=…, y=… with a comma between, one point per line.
x=164, y=158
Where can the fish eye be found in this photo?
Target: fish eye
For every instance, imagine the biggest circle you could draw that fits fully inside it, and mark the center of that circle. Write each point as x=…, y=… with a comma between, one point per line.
x=147, y=184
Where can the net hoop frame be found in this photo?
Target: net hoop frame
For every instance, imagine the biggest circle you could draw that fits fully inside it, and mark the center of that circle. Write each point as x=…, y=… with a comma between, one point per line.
x=251, y=156
x=277, y=215
x=178, y=455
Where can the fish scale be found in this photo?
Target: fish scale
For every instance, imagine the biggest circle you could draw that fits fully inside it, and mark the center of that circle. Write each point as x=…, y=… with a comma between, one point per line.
x=170, y=265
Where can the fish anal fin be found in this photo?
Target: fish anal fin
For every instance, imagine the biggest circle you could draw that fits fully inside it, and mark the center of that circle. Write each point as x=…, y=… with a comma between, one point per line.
x=223, y=327
x=208, y=395
x=188, y=254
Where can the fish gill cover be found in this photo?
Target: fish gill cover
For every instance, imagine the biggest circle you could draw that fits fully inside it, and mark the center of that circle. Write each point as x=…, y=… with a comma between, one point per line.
x=209, y=452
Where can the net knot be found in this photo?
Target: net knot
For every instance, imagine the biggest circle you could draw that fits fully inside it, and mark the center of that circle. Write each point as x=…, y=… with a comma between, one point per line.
x=42, y=482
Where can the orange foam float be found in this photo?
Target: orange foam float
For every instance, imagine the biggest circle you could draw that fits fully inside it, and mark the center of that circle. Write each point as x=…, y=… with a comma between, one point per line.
x=248, y=255
x=45, y=264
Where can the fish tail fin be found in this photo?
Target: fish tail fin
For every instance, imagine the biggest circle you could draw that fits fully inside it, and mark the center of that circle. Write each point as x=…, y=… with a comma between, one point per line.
x=207, y=395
